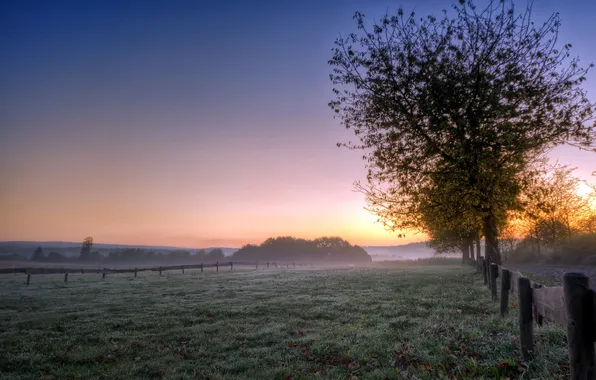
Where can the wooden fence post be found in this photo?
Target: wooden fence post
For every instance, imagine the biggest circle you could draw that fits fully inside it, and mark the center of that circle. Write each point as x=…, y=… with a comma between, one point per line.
x=539, y=318
x=66, y=277
x=505, y=286
x=526, y=327
x=28, y=278
x=494, y=273
x=484, y=271
x=182, y=269
x=135, y=272
x=231, y=266
x=160, y=271
x=201, y=267
x=580, y=330
x=217, y=267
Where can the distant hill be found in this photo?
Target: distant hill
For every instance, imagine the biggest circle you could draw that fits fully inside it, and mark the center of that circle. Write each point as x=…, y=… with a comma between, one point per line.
x=411, y=251
x=26, y=248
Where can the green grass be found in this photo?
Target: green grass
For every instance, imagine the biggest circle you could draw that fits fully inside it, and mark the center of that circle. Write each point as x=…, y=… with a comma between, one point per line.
x=368, y=323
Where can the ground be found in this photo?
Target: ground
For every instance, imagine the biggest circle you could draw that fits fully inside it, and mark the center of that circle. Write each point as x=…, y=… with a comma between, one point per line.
x=552, y=275
x=358, y=323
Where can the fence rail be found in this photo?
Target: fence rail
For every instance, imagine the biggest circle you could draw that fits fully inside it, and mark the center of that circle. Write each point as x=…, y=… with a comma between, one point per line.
x=572, y=305
x=105, y=271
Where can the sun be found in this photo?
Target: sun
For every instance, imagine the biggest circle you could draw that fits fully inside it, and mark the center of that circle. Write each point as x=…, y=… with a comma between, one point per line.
x=584, y=190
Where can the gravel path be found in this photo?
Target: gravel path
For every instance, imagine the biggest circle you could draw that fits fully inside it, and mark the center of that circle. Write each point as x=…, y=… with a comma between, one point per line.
x=555, y=272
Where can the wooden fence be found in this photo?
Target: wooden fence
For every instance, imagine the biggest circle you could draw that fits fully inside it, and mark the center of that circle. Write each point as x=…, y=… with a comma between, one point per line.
x=105, y=271
x=572, y=305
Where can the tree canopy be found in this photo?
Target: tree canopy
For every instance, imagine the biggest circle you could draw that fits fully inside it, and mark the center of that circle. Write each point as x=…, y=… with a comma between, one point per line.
x=450, y=112
x=287, y=248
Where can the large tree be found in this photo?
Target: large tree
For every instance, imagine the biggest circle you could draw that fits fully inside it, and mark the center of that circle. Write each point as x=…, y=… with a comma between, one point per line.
x=464, y=102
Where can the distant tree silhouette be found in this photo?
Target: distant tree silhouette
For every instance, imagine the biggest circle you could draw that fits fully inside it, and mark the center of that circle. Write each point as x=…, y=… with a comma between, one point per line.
x=201, y=254
x=86, y=248
x=38, y=254
x=216, y=254
x=55, y=257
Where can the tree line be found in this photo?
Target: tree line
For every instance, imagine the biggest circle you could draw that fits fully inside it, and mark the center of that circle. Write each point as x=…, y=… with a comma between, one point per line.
x=131, y=255
x=454, y=115
x=283, y=249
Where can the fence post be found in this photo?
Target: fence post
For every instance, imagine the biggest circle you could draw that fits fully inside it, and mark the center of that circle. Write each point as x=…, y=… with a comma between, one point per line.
x=505, y=286
x=579, y=305
x=201, y=267
x=231, y=266
x=217, y=267
x=135, y=272
x=160, y=271
x=526, y=327
x=494, y=273
x=65, y=277
x=182, y=269
x=539, y=318
x=28, y=278
x=484, y=270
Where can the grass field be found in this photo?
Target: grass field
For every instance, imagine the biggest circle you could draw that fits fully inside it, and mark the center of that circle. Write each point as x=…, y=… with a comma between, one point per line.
x=369, y=323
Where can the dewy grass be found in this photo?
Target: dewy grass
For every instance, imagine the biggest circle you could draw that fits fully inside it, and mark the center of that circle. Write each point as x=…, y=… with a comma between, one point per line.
x=364, y=323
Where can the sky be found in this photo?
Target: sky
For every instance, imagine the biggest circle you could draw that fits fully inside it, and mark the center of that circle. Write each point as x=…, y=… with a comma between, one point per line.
x=192, y=123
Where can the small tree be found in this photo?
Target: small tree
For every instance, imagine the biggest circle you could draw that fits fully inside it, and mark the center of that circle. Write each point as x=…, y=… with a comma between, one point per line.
x=553, y=209
x=38, y=254
x=86, y=248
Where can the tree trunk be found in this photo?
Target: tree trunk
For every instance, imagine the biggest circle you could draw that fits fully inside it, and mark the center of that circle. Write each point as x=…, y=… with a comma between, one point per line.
x=478, y=251
x=472, y=256
x=491, y=240
x=465, y=257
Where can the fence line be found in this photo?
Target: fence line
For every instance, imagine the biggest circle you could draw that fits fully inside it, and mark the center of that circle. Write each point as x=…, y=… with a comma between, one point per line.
x=572, y=305
x=104, y=271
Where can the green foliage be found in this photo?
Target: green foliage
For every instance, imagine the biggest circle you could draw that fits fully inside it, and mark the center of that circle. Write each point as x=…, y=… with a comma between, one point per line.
x=287, y=248
x=451, y=111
